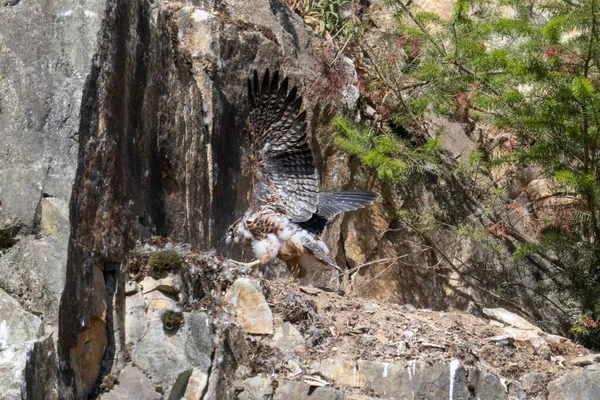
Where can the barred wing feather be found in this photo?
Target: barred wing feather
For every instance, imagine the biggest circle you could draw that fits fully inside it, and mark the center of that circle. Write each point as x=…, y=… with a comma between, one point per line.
x=287, y=176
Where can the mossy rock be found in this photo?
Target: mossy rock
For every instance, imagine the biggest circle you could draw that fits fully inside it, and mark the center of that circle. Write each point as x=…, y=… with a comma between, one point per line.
x=172, y=320
x=163, y=262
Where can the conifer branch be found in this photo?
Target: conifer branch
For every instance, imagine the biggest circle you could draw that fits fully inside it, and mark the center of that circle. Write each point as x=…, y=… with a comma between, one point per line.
x=442, y=51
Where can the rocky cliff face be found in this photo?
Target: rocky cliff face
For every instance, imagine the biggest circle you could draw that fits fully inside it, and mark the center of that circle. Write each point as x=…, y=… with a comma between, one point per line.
x=120, y=120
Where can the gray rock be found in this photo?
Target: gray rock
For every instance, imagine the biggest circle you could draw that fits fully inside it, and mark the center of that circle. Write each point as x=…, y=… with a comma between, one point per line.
x=133, y=385
x=288, y=338
x=507, y=317
x=18, y=332
x=33, y=270
x=190, y=347
x=131, y=287
x=196, y=384
x=169, y=284
x=157, y=300
x=487, y=385
x=343, y=372
x=583, y=384
x=454, y=138
x=135, y=318
x=257, y=388
x=301, y=391
x=370, y=111
x=414, y=379
x=294, y=367
x=516, y=392
x=252, y=311
x=554, y=339
x=45, y=58
x=532, y=383
x=585, y=360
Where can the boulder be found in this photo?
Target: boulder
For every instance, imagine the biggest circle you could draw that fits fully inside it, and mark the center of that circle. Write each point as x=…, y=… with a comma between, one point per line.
x=196, y=384
x=257, y=388
x=342, y=372
x=19, y=330
x=509, y=318
x=303, y=391
x=252, y=311
x=132, y=385
x=170, y=284
x=191, y=347
x=585, y=360
x=582, y=384
x=135, y=318
x=288, y=338
x=414, y=379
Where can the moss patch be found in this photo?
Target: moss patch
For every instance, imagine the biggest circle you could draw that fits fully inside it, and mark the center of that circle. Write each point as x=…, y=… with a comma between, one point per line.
x=172, y=320
x=162, y=262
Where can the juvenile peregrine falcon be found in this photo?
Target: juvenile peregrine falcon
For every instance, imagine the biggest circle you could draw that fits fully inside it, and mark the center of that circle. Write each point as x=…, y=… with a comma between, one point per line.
x=287, y=212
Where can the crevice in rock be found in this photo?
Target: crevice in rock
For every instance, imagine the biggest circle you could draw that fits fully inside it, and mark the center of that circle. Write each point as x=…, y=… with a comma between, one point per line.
x=349, y=273
x=114, y=313
x=208, y=374
x=11, y=3
x=8, y=237
x=37, y=217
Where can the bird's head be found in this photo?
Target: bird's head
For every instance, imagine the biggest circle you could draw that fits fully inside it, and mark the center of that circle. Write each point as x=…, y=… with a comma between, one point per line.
x=233, y=233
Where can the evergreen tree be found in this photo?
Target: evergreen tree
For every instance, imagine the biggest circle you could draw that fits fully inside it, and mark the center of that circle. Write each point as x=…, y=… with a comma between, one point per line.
x=528, y=69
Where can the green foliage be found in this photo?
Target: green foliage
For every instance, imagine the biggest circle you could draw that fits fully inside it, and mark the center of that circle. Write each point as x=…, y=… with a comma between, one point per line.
x=330, y=13
x=162, y=262
x=172, y=320
x=535, y=78
x=393, y=159
x=586, y=328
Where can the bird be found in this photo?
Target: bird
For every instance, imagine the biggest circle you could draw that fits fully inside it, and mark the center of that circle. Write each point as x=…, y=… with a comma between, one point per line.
x=287, y=213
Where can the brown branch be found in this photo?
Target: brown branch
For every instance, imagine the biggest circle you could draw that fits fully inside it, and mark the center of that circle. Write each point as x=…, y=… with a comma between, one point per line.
x=462, y=274
x=385, y=81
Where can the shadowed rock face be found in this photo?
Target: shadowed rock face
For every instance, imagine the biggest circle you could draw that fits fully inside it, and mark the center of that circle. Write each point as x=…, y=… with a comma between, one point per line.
x=142, y=169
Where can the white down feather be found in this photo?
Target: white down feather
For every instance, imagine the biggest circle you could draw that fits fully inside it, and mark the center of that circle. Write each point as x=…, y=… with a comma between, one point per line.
x=267, y=248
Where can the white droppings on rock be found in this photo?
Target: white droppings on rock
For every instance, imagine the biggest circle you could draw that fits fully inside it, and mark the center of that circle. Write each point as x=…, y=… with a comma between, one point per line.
x=3, y=335
x=454, y=365
x=412, y=369
x=385, y=369
x=200, y=15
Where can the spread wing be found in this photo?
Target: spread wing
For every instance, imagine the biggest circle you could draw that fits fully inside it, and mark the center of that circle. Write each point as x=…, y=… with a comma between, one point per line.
x=333, y=203
x=284, y=167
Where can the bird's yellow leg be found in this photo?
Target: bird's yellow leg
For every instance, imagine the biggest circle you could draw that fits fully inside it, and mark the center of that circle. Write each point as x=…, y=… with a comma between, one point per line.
x=249, y=264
